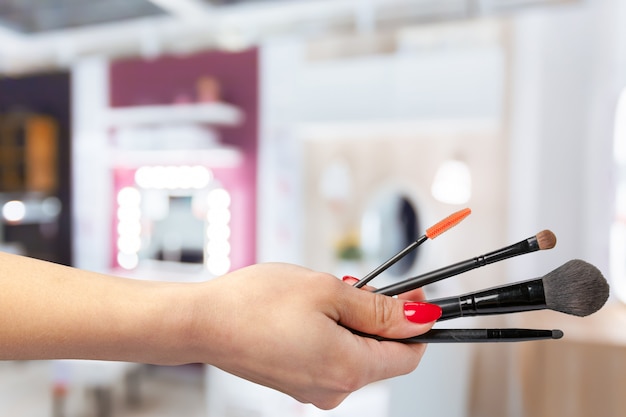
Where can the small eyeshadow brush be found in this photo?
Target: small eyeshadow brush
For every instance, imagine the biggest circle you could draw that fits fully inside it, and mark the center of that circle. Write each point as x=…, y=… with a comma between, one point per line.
x=541, y=241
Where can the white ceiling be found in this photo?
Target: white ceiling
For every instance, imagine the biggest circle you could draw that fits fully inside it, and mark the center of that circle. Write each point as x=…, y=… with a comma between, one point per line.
x=43, y=34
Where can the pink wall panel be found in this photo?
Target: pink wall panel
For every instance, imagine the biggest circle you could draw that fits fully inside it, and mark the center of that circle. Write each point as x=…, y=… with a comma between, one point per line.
x=168, y=79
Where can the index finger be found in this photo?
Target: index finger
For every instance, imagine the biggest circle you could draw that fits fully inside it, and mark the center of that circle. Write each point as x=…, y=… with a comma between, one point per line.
x=413, y=295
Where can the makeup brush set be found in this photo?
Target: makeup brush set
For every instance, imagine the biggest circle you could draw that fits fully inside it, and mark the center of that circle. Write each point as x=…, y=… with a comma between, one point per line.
x=576, y=288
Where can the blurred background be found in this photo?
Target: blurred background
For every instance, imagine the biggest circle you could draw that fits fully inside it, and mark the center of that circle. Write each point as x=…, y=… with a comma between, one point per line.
x=179, y=140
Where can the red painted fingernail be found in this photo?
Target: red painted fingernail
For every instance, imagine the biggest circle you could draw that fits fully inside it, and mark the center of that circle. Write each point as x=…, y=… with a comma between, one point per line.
x=350, y=279
x=421, y=312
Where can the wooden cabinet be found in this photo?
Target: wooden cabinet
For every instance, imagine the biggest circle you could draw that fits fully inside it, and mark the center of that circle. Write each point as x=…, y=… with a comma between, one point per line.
x=581, y=375
x=28, y=153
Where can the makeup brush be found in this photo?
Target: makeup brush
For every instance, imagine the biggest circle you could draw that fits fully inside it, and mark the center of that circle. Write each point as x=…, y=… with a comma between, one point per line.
x=576, y=287
x=478, y=336
x=541, y=241
x=431, y=233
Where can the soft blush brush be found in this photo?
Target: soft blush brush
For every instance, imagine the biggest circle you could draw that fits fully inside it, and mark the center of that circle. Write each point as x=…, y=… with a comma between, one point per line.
x=541, y=241
x=431, y=233
x=576, y=288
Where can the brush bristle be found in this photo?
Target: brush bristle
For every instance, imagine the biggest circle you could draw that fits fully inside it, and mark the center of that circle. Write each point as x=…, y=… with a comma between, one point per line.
x=576, y=288
x=445, y=224
x=545, y=240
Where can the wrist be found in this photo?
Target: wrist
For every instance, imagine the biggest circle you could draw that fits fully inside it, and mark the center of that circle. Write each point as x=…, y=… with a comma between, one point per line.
x=168, y=328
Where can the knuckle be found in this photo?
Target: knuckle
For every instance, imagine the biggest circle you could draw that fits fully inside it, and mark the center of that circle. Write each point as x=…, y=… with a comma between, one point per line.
x=383, y=310
x=328, y=284
x=349, y=381
x=326, y=278
x=330, y=403
x=338, y=384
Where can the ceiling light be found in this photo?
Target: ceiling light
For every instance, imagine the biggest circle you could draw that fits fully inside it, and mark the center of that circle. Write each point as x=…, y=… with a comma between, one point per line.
x=14, y=211
x=183, y=8
x=452, y=183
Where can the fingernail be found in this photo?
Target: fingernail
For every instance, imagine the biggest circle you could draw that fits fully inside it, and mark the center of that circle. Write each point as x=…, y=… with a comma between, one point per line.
x=421, y=312
x=350, y=279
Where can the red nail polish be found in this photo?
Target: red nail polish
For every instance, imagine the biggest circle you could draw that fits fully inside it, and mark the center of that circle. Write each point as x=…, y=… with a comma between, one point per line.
x=350, y=279
x=421, y=312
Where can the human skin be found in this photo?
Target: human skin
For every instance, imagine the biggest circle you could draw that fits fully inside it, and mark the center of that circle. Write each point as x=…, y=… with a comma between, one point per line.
x=279, y=325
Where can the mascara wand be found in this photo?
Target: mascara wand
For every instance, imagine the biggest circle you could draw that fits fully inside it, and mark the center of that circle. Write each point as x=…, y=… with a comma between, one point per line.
x=541, y=241
x=431, y=233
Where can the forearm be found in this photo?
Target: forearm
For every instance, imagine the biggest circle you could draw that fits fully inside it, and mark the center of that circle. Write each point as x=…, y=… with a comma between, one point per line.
x=49, y=311
x=279, y=325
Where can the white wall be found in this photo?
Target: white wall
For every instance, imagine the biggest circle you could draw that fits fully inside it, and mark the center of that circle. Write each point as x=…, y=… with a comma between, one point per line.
x=567, y=75
x=569, y=69
x=92, y=190
x=454, y=74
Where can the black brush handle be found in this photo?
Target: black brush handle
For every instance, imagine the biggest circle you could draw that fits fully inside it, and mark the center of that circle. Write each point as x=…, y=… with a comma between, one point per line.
x=391, y=261
x=477, y=336
x=519, y=248
x=514, y=298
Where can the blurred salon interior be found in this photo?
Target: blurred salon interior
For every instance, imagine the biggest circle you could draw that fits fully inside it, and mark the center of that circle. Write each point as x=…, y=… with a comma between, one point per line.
x=179, y=140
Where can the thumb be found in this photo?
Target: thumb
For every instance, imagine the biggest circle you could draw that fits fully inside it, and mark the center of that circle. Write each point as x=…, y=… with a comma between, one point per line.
x=381, y=315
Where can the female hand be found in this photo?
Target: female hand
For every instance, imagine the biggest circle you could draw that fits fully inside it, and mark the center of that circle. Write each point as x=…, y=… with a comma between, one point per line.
x=285, y=327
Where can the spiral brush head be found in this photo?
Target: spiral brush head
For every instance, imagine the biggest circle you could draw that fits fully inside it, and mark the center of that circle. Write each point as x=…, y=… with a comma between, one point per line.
x=545, y=239
x=576, y=288
x=447, y=223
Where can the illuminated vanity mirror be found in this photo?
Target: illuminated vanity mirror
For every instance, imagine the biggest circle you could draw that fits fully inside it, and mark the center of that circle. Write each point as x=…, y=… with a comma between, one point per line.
x=389, y=224
x=175, y=214
x=173, y=231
